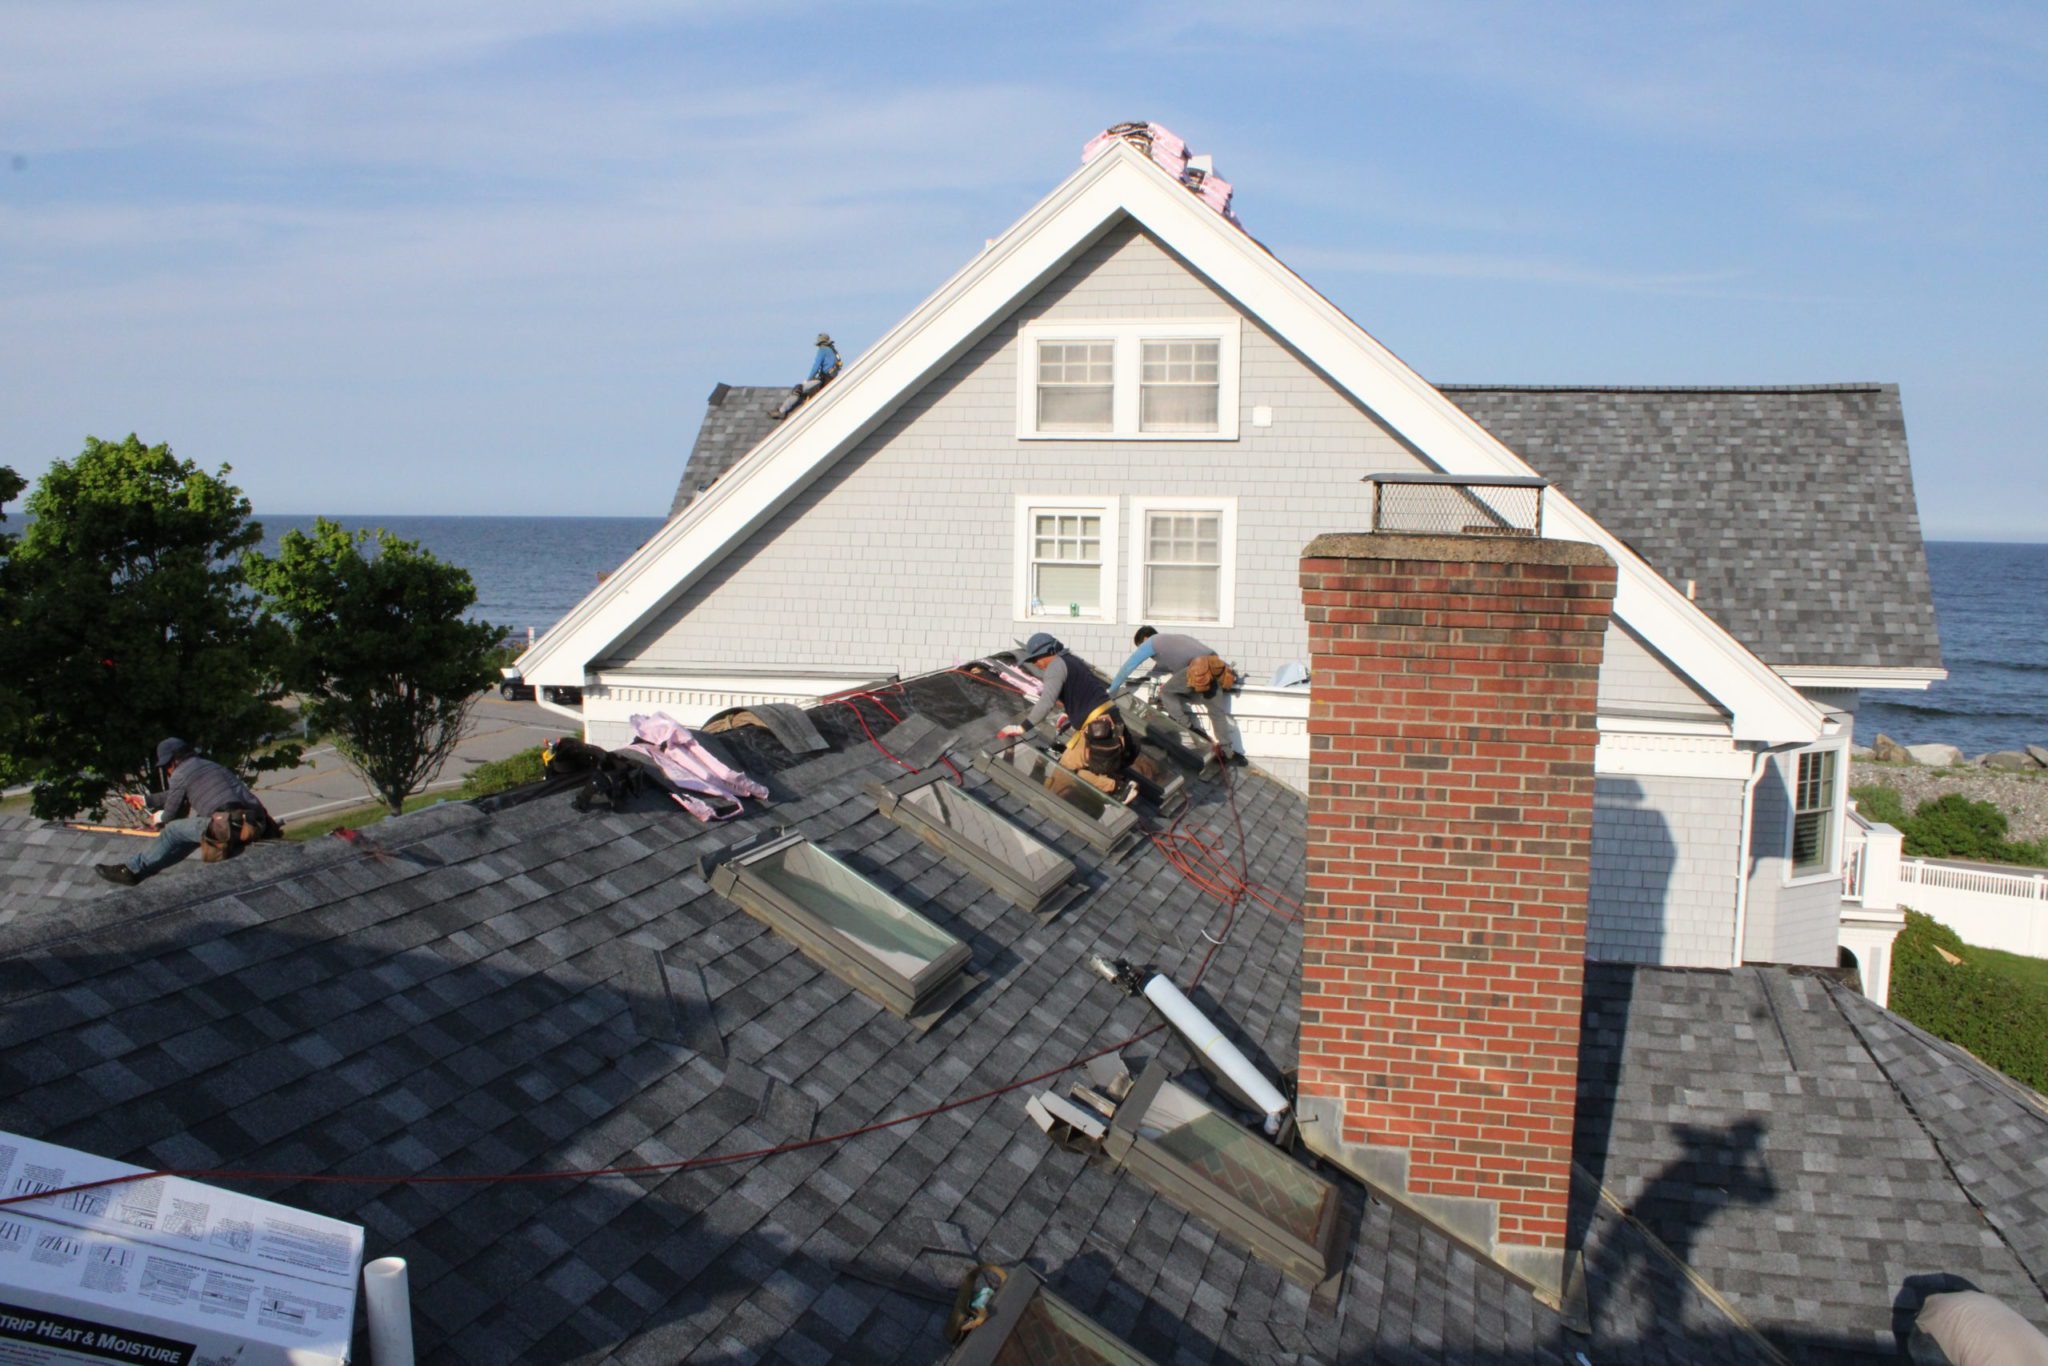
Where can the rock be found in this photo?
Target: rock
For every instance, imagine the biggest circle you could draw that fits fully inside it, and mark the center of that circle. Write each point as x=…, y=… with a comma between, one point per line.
x=2039, y=753
x=2007, y=759
x=1889, y=751
x=1934, y=756
x=1859, y=751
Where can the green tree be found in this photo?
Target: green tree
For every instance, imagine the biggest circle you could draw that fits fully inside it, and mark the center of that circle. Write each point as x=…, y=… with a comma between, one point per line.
x=129, y=620
x=381, y=656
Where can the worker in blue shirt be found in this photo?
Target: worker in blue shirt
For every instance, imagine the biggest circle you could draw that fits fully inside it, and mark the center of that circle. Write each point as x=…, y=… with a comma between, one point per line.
x=1193, y=672
x=824, y=366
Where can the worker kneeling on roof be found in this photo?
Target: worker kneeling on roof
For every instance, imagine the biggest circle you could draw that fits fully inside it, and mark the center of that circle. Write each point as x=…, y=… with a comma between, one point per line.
x=1098, y=748
x=1192, y=671
x=203, y=805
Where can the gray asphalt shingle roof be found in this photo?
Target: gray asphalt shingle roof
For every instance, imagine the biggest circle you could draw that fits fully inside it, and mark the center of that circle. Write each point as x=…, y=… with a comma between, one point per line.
x=526, y=987
x=46, y=869
x=735, y=420
x=1792, y=508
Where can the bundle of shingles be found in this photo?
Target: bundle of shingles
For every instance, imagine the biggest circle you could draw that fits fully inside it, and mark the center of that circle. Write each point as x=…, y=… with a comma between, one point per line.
x=1170, y=152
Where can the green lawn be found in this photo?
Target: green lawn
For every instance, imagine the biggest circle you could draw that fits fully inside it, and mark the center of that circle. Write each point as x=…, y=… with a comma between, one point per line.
x=356, y=817
x=2029, y=973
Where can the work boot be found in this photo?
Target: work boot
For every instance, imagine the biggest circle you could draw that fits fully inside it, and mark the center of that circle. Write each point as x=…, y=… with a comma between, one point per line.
x=1238, y=759
x=116, y=873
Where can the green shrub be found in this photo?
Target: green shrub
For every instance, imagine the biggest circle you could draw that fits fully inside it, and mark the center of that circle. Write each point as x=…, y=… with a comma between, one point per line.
x=2000, y=1017
x=1949, y=826
x=502, y=775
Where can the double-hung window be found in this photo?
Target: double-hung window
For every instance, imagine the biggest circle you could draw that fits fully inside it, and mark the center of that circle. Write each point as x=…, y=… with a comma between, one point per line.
x=1182, y=571
x=1813, y=813
x=1076, y=392
x=1066, y=565
x=1166, y=380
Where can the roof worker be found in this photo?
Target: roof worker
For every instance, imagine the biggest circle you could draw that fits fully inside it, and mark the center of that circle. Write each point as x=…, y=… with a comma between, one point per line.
x=824, y=366
x=1192, y=671
x=1099, y=748
x=199, y=791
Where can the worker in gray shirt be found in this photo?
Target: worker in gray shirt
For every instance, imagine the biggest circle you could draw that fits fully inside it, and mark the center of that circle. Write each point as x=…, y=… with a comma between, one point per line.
x=1193, y=672
x=198, y=788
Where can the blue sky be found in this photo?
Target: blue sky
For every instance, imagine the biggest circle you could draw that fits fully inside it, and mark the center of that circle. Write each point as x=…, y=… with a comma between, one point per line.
x=490, y=255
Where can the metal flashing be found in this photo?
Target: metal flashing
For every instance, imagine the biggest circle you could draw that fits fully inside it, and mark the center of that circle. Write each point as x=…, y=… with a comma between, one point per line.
x=849, y=926
x=1228, y=1176
x=1012, y=861
x=1034, y=778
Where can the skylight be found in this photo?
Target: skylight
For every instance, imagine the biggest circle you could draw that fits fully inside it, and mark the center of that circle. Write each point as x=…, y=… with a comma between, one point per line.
x=1226, y=1175
x=848, y=925
x=1012, y=860
x=1152, y=726
x=1034, y=779
x=1028, y=1325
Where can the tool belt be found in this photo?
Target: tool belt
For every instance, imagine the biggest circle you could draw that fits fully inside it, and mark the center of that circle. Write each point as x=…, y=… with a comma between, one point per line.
x=1109, y=744
x=232, y=829
x=1210, y=673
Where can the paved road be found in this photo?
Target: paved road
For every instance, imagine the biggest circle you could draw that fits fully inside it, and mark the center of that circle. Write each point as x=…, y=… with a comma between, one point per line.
x=324, y=783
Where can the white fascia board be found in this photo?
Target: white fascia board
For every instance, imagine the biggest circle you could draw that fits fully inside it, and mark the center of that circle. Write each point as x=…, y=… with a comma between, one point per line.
x=1121, y=180
x=1857, y=676
x=1663, y=755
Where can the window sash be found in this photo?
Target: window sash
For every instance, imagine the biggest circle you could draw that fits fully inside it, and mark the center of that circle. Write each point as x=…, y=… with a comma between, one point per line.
x=1813, y=813
x=1183, y=565
x=1076, y=386
x=1180, y=386
x=1066, y=562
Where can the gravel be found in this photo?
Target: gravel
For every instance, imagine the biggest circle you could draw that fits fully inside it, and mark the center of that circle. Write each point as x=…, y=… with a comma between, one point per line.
x=2023, y=797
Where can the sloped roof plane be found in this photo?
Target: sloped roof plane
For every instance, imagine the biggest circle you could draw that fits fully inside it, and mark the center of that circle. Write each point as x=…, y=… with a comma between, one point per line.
x=1119, y=182
x=522, y=987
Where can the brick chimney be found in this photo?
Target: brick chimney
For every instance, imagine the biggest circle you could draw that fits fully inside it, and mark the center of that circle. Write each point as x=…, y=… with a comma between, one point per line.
x=1451, y=737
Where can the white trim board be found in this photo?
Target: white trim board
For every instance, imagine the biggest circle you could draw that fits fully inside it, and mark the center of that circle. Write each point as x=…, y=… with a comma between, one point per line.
x=1121, y=181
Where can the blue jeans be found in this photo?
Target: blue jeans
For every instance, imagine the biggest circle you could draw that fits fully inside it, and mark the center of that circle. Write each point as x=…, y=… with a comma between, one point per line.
x=176, y=839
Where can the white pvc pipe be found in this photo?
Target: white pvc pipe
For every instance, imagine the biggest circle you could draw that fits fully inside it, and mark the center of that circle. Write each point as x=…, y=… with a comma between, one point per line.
x=387, y=1299
x=1198, y=1030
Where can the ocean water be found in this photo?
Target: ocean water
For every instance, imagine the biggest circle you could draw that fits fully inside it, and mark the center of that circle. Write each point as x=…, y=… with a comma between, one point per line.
x=529, y=571
x=1991, y=604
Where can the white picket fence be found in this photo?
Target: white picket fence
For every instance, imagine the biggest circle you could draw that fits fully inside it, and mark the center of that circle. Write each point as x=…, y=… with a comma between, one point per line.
x=1993, y=910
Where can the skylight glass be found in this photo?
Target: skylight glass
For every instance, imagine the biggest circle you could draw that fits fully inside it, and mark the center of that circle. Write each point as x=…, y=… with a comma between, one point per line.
x=847, y=924
x=1028, y=1325
x=1028, y=774
x=1012, y=860
x=1227, y=1175
x=1236, y=1161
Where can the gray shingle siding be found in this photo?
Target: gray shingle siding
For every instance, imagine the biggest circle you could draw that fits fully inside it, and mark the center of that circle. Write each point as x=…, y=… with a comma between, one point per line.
x=904, y=548
x=1636, y=680
x=1791, y=508
x=1787, y=922
x=1665, y=855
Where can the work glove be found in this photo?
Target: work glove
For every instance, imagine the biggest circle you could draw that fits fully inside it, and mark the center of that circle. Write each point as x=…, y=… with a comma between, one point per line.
x=1009, y=732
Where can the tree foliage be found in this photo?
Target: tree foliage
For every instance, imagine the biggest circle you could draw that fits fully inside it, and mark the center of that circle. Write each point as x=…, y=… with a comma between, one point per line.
x=128, y=620
x=2000, y=1018
x=381, y=655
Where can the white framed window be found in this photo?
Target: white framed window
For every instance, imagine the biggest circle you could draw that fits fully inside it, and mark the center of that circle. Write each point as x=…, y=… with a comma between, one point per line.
x=1065, y=559
x=1183, y=561
x=1816, y=813
x=1160, y=380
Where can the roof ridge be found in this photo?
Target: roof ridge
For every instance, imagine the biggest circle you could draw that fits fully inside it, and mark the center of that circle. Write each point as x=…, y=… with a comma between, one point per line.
x=1844, y=387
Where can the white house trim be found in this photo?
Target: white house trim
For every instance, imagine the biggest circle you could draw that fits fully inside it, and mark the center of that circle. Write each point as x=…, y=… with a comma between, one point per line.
x=1845, y=676
x=1119, y=181
x=1128, y=338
